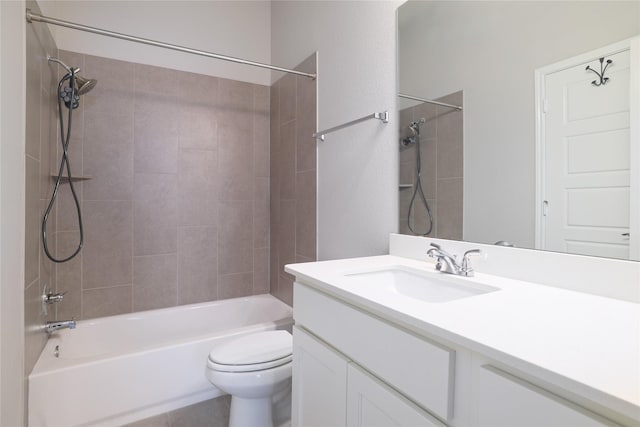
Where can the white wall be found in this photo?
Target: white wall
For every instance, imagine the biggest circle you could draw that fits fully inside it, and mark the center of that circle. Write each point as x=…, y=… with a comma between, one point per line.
x=358, y=166
x=233, y=28
x=12, y=205
x=490, y=50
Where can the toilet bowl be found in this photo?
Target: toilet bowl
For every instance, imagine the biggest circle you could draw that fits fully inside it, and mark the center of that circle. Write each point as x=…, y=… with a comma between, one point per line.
x=253, y=369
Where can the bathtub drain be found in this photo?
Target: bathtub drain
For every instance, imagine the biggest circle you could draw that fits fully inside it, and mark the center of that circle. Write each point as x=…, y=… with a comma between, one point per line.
x=56, y=352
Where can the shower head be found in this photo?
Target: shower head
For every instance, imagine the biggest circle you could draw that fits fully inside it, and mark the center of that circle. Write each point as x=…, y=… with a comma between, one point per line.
x=81, y=85
x=84, y=85
x=414, y=127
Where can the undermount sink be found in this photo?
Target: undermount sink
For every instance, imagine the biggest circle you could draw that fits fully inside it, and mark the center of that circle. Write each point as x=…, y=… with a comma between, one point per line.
x=416, y=284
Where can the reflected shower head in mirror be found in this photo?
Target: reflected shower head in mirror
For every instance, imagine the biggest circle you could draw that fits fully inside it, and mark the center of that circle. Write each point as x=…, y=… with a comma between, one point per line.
x=414, y=128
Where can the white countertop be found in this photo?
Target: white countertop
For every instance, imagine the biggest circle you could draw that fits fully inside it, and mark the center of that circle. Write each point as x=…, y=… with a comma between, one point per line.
x=586, y=344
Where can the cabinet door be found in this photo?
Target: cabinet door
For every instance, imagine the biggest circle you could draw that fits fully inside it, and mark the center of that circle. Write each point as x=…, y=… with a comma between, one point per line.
x=506, y=401
x=371, y=403
x=319, y=394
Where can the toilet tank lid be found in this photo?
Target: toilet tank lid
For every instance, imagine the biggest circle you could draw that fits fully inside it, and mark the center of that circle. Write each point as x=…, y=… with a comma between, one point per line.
x=253, y=348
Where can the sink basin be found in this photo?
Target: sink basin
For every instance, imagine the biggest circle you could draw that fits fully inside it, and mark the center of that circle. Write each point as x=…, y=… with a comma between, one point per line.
x=419, y=285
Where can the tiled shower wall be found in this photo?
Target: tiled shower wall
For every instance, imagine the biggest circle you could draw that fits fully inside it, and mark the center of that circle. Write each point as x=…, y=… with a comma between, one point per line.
x=40, y=158
x=176, y=207
x=293, y=176
x=442, y=169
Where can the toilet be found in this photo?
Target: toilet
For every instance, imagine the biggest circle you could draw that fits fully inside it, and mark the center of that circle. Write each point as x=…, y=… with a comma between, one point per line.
x=254, y=369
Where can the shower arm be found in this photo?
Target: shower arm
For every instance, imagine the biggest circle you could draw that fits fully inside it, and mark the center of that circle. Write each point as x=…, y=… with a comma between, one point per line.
x=63, y=65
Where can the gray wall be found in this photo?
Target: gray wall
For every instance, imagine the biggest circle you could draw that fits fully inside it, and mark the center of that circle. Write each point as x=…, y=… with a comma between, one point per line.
x=358, y=166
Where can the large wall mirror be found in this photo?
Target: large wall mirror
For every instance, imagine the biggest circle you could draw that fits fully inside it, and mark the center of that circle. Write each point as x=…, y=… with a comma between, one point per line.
x=533, y=139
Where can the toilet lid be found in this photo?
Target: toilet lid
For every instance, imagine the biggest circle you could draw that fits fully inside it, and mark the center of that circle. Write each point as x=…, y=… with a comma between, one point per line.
x=254, y=349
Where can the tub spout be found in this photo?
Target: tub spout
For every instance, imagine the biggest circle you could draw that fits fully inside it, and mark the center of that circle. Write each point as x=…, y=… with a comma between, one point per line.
x=59, y=324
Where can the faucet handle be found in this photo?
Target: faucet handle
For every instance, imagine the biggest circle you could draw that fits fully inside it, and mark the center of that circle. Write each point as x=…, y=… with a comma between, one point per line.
x=465, y=268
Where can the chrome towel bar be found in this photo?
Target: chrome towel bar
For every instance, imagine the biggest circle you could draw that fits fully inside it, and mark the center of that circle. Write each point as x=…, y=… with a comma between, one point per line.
x=384, y=117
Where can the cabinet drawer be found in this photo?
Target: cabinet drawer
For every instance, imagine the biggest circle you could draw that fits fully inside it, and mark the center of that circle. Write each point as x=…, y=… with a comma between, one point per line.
x=421, y=370
x=505, y=400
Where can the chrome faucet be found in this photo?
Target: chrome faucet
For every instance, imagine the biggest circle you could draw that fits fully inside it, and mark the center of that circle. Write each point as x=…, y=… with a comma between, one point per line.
x=50, y=327
x=447, y=262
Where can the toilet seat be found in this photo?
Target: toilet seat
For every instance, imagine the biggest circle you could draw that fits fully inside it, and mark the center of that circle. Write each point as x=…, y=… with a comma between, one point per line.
x=252, y=352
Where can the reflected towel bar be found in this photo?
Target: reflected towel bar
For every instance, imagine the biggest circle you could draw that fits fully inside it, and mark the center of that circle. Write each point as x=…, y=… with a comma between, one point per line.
x=384, y=116
x=442, y=104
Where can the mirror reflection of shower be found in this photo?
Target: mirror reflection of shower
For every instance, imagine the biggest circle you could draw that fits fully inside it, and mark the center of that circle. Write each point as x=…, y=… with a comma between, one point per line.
x=414, y=139
x=70, y=88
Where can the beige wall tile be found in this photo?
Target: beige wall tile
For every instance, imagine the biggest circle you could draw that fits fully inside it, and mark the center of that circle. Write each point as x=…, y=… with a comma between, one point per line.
x=155, y=219
x=261, y=131
x=69, y=277
x=197, y=89
x=155, y=282
x=450, y=205
x=235, y=237
x=106, y=301
x=450, y=144
x=161, y=420
x=287, y=161
x=261, y=271
x=287, y=98
x=198, y=126
x=286, y=234
x=261, y=213
x=32, y=220
x=235, y=103
x=235, y=163
x=107, y=253
x=155, y=134
x=235, y=285
x=197, y=264
x=305, y=215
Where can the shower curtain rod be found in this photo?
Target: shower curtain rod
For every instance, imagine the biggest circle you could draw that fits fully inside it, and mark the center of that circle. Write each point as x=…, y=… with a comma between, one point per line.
x=40, y=18
x=442, y=104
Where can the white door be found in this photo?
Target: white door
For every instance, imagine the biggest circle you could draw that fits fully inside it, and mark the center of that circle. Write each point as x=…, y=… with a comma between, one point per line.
x=319, y=395
x=586, y=197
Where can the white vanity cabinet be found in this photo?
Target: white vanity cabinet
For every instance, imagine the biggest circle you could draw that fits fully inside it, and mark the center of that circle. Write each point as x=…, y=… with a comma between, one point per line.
x=330, y=390
x=503, y=400
x=388, y=368
x=371, y=403
x=353, y=367
x=319, y=393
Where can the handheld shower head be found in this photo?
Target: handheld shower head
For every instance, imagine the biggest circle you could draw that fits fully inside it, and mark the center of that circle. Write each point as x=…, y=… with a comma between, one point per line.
x=81, y=85
x=84, y=85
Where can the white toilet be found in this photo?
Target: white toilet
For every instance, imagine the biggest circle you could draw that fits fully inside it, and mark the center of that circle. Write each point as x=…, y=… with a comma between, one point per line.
x=252, y=369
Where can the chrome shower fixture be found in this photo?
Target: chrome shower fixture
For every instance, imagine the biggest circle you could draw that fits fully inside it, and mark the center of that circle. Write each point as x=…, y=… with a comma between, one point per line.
x=77, y=85
x=414, y=127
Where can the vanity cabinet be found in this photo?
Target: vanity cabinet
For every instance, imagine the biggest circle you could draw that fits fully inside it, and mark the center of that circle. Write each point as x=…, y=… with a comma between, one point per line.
x=319, y=392
x=354, y=368
x=504, y=400
x=331, y=390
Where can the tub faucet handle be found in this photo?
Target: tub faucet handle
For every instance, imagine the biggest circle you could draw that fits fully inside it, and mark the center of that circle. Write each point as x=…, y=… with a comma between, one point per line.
x=51, y=297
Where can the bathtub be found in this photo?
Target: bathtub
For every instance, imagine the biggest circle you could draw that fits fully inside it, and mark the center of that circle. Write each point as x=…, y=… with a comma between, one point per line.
x=120, y=369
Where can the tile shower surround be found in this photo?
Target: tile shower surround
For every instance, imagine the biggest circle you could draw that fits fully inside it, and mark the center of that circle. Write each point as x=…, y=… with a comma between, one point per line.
x=442, y=168
x=41, y=130
x=177, y=207
x=293, y=176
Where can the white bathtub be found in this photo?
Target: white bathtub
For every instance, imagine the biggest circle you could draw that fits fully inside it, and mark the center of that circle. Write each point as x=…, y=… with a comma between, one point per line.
x=119, y=369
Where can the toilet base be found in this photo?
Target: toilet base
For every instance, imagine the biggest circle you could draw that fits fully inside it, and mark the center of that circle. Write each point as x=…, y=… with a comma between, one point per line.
x=250, y=412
